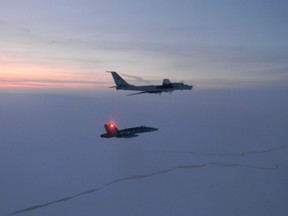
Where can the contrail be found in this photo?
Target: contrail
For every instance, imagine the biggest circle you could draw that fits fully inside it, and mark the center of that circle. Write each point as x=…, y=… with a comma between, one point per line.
x=137, y=177
x=137, y=78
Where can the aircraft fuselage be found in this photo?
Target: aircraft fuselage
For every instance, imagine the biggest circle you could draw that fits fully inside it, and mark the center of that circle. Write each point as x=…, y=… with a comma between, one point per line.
x=126, y=133
x=156, y=88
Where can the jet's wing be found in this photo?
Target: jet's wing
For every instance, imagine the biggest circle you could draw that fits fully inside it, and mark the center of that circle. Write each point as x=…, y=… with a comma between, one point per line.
x=144, y=92
x=138, y=93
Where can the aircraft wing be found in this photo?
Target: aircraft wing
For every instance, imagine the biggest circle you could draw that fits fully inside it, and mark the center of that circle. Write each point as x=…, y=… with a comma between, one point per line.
x=144, y=92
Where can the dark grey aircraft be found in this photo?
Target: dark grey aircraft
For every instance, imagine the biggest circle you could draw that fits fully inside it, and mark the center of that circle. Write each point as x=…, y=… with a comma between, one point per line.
x=112, y=131
x=166, y=86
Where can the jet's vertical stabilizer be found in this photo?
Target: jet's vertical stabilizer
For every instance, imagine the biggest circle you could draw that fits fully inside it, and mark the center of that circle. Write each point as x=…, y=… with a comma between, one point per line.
x=111, y=129
x=119, y=81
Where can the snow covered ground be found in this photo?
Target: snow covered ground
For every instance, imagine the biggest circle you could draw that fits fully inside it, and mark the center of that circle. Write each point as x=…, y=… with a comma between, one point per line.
x=217, y=152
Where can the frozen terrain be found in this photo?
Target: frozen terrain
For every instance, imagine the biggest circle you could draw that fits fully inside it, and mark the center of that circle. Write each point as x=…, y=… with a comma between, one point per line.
x=220, y=152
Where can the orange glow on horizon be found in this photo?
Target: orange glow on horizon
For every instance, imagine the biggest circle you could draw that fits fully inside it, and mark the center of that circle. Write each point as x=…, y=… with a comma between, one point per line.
x=39, y=77
x=43, y=85
x=23, y=73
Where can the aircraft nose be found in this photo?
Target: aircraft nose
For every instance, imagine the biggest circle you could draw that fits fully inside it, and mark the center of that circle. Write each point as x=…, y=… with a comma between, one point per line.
x=154, y=129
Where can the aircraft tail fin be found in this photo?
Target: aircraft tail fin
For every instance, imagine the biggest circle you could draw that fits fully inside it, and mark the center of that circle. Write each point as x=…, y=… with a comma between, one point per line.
x=111, y=129
x=119, y=81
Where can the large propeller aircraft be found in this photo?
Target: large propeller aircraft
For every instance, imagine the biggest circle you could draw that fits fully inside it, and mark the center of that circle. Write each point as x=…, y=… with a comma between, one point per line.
x=166, y=86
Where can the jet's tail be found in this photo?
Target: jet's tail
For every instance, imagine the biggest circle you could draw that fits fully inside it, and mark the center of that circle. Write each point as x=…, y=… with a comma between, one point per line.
x=119, y=81
x=111, y=129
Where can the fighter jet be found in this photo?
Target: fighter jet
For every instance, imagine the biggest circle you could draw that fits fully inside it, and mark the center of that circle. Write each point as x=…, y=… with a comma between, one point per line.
x=113, y=131
x=166, y=86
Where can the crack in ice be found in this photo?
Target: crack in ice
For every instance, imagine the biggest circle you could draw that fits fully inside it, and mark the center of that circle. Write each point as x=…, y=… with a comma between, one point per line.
x=137, y=177
x=242, y=154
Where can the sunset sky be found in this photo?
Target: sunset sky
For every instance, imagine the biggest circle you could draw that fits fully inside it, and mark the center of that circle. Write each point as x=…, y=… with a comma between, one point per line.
x=71, y=43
